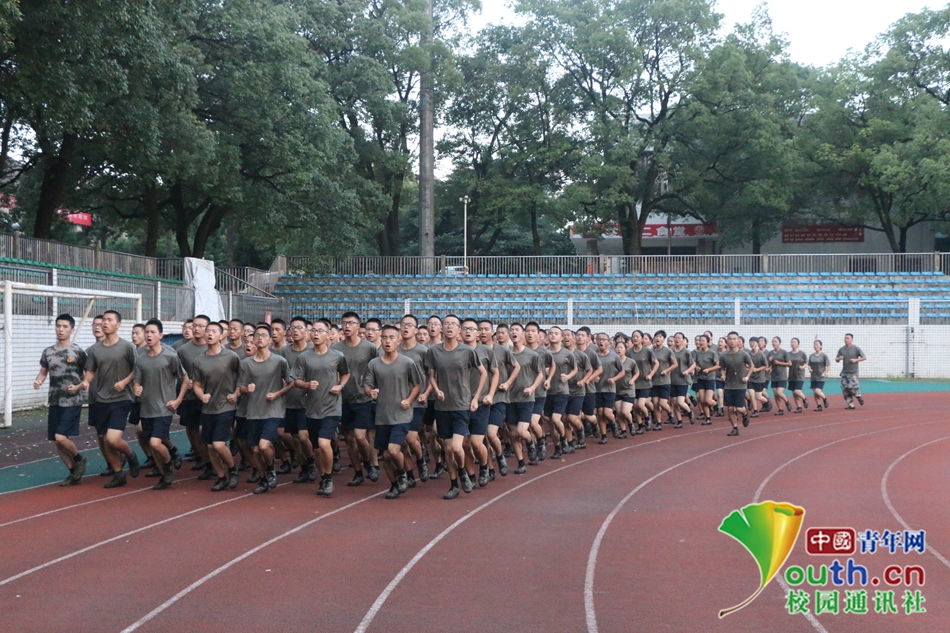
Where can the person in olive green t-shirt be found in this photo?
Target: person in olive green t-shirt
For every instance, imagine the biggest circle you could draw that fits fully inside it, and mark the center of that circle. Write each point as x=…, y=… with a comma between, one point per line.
x=850, y=355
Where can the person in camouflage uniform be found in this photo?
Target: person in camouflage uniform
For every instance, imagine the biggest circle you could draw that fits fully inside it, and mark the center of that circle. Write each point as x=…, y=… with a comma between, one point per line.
x=64, y=363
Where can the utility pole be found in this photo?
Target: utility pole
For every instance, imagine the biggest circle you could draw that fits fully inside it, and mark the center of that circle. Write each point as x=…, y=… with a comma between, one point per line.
x=464, y=200
x=427, y=156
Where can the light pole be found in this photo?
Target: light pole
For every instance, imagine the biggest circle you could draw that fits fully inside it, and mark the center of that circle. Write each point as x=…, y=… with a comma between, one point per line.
x=464, y=200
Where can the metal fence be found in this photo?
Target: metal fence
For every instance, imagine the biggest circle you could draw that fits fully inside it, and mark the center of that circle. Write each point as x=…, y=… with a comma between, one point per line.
x=604, y=264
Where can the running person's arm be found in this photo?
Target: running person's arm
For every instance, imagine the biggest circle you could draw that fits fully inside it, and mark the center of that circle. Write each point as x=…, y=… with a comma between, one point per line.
x=122, y=384
x=534, y=387
x=515, y=370
x=434, y=385
x=656, y=365
x=492, y=387
x=412, y=396
x=41, y=378
x=173, y=405
x=200, y=392
x=338, y=387
x=715, y=367
x=550, y=376
x=482, y=379
x=588, y=376
x=669, y=370
x=288, y=385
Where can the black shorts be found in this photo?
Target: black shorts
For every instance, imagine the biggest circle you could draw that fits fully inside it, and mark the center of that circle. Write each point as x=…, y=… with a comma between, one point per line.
x=817, y=384
x=265, y=429
x=605, y=400
x=720, y=384
x=449, y=423
x=417, y=414
x=590, y=403
x=357, y=416
x=111, y=416
x=796, y=385
x=734, y=398
x=387, y=434
x=539, y=405
x=189, y=413
x=556, y=404
x=644, y=394
x=519, y=412
x=63, y=421
x=661, y=391
x=705, y=385
x=216, y=427
x=478, y=420
x=157, y=428
x=135, y=413
x=575, y=404
x=294, y=421
x=429, y=418
x=757, y=387
x=240, y=427
x=323, y=428
x=779, y=384
x=498, y=413
x=628, y=399
x=679, y=391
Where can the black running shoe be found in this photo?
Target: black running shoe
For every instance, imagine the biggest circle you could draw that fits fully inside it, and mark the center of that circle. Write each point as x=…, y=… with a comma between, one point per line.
x=678, y=425
x=805, y=402
x=466, y=481
x=438, y=472
x=69, y=481
x=423, y=472
x=176, y=458
x=233, y=479
x=155, y=472
x=336, y=465
x=165, y=481
x=117, y=480
x=79, y=469
x=825, y=402
x=557, y=453
x=520, y=470
x=271, y=479
x=357, y=480
x=788, y=405
x=402, y=483
x=254, y=479
x=262, y=487
x=373, y=474
x=797, y=410
x=602, y=440
x=452, y=493
x=483, y=478
x=818, y=408
x=393, y=492
x=502, y=466
x=733, y=432
x=745, y=419
x=301, y=478
x=149, y=463
x=860, y=400
x=220, y=485
x=208, y=474
x=285, y=469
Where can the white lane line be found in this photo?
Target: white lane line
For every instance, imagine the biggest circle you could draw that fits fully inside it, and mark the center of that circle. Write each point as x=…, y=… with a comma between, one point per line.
x=758, y=494
x=589, y=609
x=378, y=604
x=84, y=503
x=120, y=537
x=890, y=506
x=91, y=451
x=184, y=592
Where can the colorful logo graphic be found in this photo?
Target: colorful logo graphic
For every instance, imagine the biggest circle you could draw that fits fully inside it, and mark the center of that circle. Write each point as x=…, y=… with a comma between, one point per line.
x=768, y=530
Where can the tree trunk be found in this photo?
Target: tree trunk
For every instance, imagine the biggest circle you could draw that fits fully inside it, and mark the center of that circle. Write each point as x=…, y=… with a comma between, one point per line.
x=229, y=242
x=154, y=219
x=55, y=172
x=209, y=225
x=387, y=239
x=902, y=242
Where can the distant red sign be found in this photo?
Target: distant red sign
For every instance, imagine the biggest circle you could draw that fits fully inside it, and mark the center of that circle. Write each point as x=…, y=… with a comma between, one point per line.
x=679, y=230
x=82, y=219
x=822, y=233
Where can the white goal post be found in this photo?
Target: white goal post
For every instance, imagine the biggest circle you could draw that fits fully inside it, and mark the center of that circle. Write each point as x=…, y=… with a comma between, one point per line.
x=11, y=288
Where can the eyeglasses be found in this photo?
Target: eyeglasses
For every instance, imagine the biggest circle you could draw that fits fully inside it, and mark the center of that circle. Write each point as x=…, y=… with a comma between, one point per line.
x=319, y=331
x=261, y=335
x=298, y=327
x=408, y=325
x=351, y=322
x=451, y=325
x=470, y=329
x=372, y=329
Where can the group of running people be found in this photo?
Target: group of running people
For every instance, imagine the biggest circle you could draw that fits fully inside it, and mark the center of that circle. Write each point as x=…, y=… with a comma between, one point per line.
x=464, y=393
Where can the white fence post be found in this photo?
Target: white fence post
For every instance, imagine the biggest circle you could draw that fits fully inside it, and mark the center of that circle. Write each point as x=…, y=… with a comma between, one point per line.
x=738, y=312
x=570, y=312
x=54, y=281
x=913, y=311
x=405, y=307
x=7, y=354
x=158, y=300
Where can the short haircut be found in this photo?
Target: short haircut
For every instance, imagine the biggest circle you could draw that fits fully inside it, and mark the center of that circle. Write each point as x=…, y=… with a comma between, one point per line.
x=224, y=323
x=376, y=321
x=501, y=326
x=731, y=333
x=298, y=317
x=187, y=321
x=66, y=317
x=742, y=338
x=797, y=340
x=156, y=323
x=236, y=321
x=516, y=324
x=350, y=315
x=390, y=326
x=97, y=317
x=216, y=324
x=470, y=320
x=818, y=340
x=410, y=316
x=325, y=322
x=660, y=333
x=778, y=338
x=139, y=325
x=202, y=316
x=450, y=316
x=279, y=322
x=533, y=324
x=584, y=329
x=265, y=327
x=333, y=326
x=435, y=316
x=681, y=334
x=118, y=317
x=555, y=327
x=704, y=337
x=488, y=321
x=849, y=334
x=640, y=332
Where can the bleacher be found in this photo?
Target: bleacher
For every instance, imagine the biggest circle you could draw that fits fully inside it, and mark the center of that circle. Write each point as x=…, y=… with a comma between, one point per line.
x=826, y=297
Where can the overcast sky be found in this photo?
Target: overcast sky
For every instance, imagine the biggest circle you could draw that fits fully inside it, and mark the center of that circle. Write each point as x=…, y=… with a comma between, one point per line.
x=819, y=32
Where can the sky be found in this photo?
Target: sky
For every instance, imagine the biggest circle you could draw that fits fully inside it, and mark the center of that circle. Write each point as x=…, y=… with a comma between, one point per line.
x=819, y=32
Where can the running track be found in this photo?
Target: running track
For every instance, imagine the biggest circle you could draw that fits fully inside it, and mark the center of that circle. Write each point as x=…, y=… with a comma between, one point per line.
x=615, y=538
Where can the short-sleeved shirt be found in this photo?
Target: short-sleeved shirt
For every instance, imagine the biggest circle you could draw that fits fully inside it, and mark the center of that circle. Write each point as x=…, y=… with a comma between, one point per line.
x=847, y=354
x=267, y=376
x=547, y=361
x=736, y=365
x=564, y=363
x=417, y=353
x=505, y=362
x=327, y=369
x=530, y=368
x=453, y=374
x=239, y=352
x=779, y=372
x=357, y=358
x=296, y=398
x=612, y=365
x=665, y=357
x=684, y=358
x=705, y=360
x=818, y=363
x=111, y=363
x=187, y=353
x=64, y=366
x=760, y=359
x=626, y=386
x=487, y=358
x=218, y=376
x=178, y=344
x=395, y=381
x=159, y=376
x=583, y=366
x=798, y=359
x=644, y=360
x=594, y=361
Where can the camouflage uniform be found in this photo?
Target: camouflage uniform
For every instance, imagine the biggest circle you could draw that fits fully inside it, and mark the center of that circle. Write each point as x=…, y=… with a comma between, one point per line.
x=65, y=368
